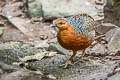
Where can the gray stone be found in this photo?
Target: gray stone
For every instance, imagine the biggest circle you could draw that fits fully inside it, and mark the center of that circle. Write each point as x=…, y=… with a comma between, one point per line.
x=112, y=12
x=113, y=38
x=99, y=2
x=104, y=73
x=1, y=71
x=97, y=50
x=49, y=9
x=117, y=52
x=105, y=27
x=10, y=52
x=115, y=77
x=6, y=68
x=42, y=44
x=58, y=48
x=54, y=40
x=35, y=8
x=17, y=75
x=1, y=30
x=14, y=9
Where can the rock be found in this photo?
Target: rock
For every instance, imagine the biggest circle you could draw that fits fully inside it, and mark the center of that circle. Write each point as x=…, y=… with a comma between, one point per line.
x=41, y=44
x=104, y=73
x=14, y=35
x=52, y=77
x=17, y=75
x=54, y=40
x=58, y=48
x=1, y=31
x=11, y=51
x=117, y=52
x=53, y=67
x=19, y=23
x=6, y=68
x=24, y=74
x=113, y=38
x=1, y=28
x=115, y=77
x=100, y=2
x=1, y=72
x=97, y=50
x=49, y=9
x=105, y=27
x=14, y=9
x=112, y=12
x=35, y=8
x=49, y=66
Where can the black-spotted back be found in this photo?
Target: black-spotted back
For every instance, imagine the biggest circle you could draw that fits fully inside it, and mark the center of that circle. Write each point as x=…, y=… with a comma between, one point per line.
x=83, y=24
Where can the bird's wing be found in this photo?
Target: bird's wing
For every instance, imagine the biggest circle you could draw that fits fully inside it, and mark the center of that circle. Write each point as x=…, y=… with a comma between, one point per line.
x=82, y=24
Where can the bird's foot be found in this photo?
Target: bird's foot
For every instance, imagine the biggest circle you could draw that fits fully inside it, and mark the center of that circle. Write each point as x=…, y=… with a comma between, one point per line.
x=82, y=60
x=79, y=60
x=68, y=63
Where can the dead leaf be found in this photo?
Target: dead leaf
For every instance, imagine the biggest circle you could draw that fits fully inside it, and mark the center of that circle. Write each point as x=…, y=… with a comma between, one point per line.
x=37, y=56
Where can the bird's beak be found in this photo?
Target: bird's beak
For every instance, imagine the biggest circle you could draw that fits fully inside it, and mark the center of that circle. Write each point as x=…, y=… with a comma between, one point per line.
x=53, y=25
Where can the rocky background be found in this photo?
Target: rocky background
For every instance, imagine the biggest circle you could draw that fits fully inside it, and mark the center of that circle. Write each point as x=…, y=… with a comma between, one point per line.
x=29, y=49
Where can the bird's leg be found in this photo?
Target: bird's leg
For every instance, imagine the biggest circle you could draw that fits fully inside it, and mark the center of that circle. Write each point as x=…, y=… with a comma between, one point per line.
x=81, y=57
x=69, y=61
x=100, y=37
x=97, y=38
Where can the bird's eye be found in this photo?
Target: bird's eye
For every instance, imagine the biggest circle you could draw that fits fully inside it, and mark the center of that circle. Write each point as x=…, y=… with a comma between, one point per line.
x=61, y=23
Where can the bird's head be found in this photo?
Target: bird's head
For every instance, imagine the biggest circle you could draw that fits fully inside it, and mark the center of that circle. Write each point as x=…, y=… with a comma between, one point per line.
x=60, y=23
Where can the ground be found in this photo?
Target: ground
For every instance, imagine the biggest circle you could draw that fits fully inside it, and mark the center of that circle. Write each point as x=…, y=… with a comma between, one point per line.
x=29, y=49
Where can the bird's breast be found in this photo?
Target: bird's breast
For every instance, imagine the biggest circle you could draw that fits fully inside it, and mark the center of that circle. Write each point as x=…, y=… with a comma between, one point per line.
x=71, y=41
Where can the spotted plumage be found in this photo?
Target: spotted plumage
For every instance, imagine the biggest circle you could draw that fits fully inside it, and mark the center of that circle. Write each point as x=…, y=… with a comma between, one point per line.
x=83, y=24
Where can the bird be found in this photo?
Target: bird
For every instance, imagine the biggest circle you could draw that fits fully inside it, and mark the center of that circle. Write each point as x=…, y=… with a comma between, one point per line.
x=75, y=33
